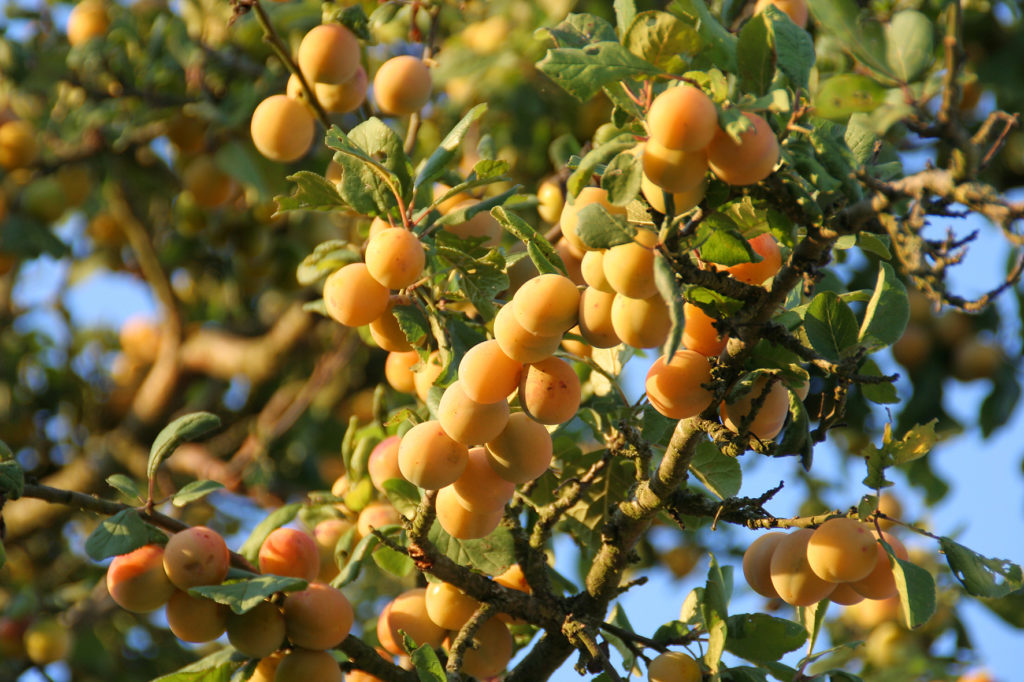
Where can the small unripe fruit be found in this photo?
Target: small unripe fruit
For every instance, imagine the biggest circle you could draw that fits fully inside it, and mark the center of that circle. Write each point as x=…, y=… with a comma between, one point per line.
x=329, y=53
x=402, y=85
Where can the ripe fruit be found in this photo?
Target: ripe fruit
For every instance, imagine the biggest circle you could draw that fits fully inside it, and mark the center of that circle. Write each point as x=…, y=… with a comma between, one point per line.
x=547, y=304
x=448, y=606
x=468, y=421
x=629, y=268
x=550, y=201
x=137, y=582
x=462, y=523
x=699, y=332
x=353, y=297
x=290, y=552
x=282, y=128
x=795, y=9
x=382, y=463
x=408, y=612
x=87, y=20
x=569, y=220
x=18, y=145
x=674, y=666
x=428, y=372
x=592, y=269
x=771, y=416
x=914, y=347
x=196, y=556
x=748, y=162
x=595, y=317
x=429, y=458
x=385, y=330
x=845, y=595
x=681, y=202
x=300, y=665
x=479, y=487
x=327, y=533
x=519, y=344
x=791, y=575
x=487, y=374
x=880, y=582
x=976, y=359
x=376, y=515
x=765, y=246
x=318, y=617
x=339, y=98
x=549, y=391
x=210, y=186
x=267, y=668
x=329, y=53
x=675, y=387
x=756, y=564
x=193, y=619
x=522, y=451
x=489, y=652
x=889, y=505
x=257, y=633
x=398, y=371
x=842, y=550
x=641, y=323
x=682, y=118
x=395, y=257
x=402, y=85
x=672, y=170
x=47, y=641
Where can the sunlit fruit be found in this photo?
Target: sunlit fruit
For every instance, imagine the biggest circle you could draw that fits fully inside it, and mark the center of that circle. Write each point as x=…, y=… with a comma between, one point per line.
x=795, y=9
x=547, y=304
x=750, y=161
x=327, y=534
x=467, y=421
x=382, y=464
x=282, y=128
x=486, y=374
x=844, y=595
x=549, y=391
x=592, y=268
x=302, y=665
x=676, y=387
x=550, y=201
x=767, y=248
x=376, y=514
x=641, y=323
x=339, y=98
x=402, y=85
x=398, y=371
x=842, y=550
x=489, y=652
x=522, y=451
x=386, y=332
x=289, y=552
x=673, y=170
x=429, y=457
x=353, y=297
x=137, y=582
x=595, y=317
x=770, y=416
x=328, y=53
x=569, y=220
x=395, y=257
x=757, y=561
x=681, y=202
x=791, y=574
x=18, y=144
x=880, y=582
x=318, y=617
x=196, y=556
x=682, y=118
x=408, y=613
x=629, y=268
x=674, y=666
x=448, y=606
x=479, y=487
x=426, y=373
x=87, y=20
x=518, y=343
x=461, y=523
x=699, y=332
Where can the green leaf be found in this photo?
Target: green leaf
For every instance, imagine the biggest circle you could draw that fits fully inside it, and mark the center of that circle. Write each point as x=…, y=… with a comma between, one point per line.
x=856, y=31
x=909, y=42
x=250, y=549
x=812, y=618
x=364, y=180
x=981, y=576
x=244, y=595
x=124, y=485
x=492, y=554
x=722, y=242
x=794, y=49
x=744, y=673
x=577, y=30
x=755, y=57
x=714, y=610
x=381, y=143
x=182, y=430
x=621, y=178
x=718, y=44
x=760, y=637
x=916, y=588
x=887, y=312
x=402, y=495
x=672, y=631
x=873, y=244
x=541, y=252
x=999, y=405
x=668, y=288
x=883, y=393
x=915, y=443
x=312, y=192
x=589, y=164
x=480, y=279
x=121, y=533
x=424, y=660
x=355, y=562
x=12, y=479
x=196, y=490
x=3, y=554
x=393, y=562
x=325, y=259
x=582, y=72
x=599, y=229
x=217, y=667
x=720, y=474
x=625, y=10
x=831, y=326
x=660, y=38
x=436, y=164
x=618, y=618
